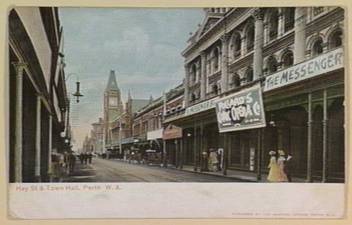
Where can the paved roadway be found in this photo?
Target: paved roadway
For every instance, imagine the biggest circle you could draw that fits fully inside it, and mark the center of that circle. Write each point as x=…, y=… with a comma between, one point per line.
x=103, y=170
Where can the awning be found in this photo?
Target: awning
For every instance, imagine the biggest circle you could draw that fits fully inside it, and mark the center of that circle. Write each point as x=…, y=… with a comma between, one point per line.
x=155, y=134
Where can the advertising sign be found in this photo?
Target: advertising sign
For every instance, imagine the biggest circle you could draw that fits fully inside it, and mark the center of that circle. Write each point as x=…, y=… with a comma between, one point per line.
x=172, y=132
x=319, y=65
x=201, y=107
x=242, y=110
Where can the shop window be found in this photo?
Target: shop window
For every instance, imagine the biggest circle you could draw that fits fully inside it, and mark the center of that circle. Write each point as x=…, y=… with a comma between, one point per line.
x=250, y=38
x=287, y=59
x=273, y=24
x=317, y=47
x=236, y=45
x=271, y=65
x=289, y=18
x=249, y=75
x=335, y=39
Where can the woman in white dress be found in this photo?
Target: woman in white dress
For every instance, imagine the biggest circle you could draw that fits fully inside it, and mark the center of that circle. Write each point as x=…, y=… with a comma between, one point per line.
x=281, y=163
x=274, y=170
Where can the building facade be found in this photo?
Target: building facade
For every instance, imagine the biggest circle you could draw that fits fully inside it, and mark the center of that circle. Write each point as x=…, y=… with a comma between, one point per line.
x=38, y=99
x=296, y=56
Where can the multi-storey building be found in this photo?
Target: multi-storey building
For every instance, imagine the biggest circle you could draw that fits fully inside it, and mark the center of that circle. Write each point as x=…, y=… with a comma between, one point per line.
x=148, y=126
x=296, y=56
x=37, y=93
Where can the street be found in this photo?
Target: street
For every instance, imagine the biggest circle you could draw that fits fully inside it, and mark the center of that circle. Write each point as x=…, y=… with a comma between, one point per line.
x=102, y=170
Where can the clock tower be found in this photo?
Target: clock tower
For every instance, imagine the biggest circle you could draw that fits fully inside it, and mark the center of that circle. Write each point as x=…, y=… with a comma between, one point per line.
x=113, y=106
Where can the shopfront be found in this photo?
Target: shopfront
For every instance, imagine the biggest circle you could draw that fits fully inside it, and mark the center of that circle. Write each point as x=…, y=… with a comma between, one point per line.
x=172, y=137
x=305, y=113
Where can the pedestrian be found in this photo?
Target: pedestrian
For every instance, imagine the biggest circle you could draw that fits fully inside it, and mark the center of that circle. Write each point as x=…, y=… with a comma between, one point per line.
x=274, y=170
x=81, y=158
x=72, y=162
x=220, y=158
x=90, y=156
x=213, y=157
x=204, y=160
x=288, y=167
x=281, y=162
x=85, y=158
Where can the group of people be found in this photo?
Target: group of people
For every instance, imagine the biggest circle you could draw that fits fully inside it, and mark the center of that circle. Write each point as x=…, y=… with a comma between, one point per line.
x=279, y=167
x=86, y=157
x=212, y=160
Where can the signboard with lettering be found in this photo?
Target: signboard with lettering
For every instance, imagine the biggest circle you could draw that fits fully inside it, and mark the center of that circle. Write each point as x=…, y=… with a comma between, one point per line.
x=201, y=107
x=172, y=132
x=319, y=65
x=242, y=110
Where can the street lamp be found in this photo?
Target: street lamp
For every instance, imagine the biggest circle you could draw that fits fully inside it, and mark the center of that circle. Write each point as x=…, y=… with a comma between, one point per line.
x=77, y=94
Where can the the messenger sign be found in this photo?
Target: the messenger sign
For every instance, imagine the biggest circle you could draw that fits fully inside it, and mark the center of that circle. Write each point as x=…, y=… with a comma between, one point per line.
x=241, y=110
x=319, y=65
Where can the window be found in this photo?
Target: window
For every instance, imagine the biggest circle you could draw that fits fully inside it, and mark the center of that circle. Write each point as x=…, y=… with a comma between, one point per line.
x=271, y=64
x=335, y=39
x=273, y=24
x=236, y=45
x=215, y=89
x=289, y=18
x=317, y=47
x=287, y=59
x=250, y=38
x=249, y=74
x=194, y=73
x=236, y=81
x=215, y=60
x=317, y=10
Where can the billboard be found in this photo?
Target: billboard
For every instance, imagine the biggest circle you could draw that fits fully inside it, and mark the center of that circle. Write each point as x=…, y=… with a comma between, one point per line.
x=242, y=110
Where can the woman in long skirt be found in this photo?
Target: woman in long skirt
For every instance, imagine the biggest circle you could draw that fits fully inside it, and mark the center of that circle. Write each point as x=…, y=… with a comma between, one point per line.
x=274, y=170
x=281, y=162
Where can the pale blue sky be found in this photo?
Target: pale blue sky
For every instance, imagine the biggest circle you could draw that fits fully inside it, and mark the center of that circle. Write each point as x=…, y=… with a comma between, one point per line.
x=142, y=45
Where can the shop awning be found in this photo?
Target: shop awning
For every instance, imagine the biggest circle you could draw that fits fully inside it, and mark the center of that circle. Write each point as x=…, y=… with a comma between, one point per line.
x=155, y=134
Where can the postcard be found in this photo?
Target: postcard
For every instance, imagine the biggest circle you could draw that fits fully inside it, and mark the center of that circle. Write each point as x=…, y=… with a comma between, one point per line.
x=228, y=112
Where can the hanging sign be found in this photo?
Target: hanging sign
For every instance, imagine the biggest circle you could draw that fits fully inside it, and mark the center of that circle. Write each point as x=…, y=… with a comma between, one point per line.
x=242, y=110
x=172, y=132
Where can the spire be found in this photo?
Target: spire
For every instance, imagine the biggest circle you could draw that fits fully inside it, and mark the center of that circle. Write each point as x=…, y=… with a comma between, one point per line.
x=129, y=95
x=112, y=84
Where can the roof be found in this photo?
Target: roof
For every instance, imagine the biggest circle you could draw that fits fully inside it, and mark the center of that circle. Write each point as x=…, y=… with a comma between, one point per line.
x=138, y=104
x=112, y=84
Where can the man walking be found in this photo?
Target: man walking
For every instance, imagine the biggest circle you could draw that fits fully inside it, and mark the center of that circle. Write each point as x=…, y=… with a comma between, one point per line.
x=288, y=167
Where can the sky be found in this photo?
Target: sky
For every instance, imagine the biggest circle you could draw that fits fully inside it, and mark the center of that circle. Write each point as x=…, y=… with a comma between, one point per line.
x=143, y=46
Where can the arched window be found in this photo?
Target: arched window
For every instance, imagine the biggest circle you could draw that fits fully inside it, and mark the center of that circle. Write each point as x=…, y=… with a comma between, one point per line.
x=289, y=18
x=193, y=97
x=273, y=24
x=236, y=81
x=194, y=73
x=317, y=47
x=236, y=45
x=215, y=60
x=249, y=74
x=271, y=64
x=215, y=89
x=335, y=39
x=287, y=59
x=250, y=37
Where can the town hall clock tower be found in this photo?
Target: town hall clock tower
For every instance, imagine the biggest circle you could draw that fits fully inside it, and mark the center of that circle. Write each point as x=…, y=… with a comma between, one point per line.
x=113, y=106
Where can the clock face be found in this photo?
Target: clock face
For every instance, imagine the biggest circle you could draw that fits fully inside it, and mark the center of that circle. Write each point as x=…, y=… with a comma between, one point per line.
x=113, y=101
